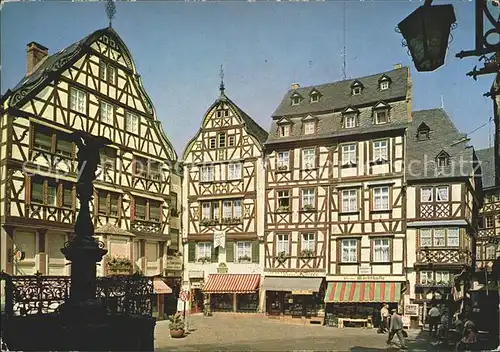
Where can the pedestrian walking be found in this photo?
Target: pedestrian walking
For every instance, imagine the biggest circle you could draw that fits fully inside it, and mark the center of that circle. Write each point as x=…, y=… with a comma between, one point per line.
x=384, y=315
x=396, y=328
x=469, y=336
x=433, y=319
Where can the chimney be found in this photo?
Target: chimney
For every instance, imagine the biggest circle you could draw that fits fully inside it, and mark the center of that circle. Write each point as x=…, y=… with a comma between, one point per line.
x=36, y=53
x=396, y=66
x=295, y=86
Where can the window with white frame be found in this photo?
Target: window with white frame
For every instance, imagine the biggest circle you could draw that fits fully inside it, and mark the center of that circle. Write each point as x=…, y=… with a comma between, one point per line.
x=439, y=237
x=237, y=209
x=381, y=117
x=308, y=156
x=244, y=251
x=380, y=150
x=102, y=70
x=131, y=122
x=227, y=209
x=106, y=113
x=381, y=198
x=222, y=140
x=491, y=252
x=283, y=161
x=207, y=173
x=309, y=127
x=350, y=121
x=356, y=90
x=77, y=100
x=426, y=194
x=489, y=221
x=230, y=141
x=349, y=154
x=283, y=243
x=384, y=85
x=349, y=251
x=442, y=193
x=111, y=74
x=284, y=130
x=349, y=200
x=425, y=237
x=283, y=200
x=307, y=242
x=204, y=250
x=215, y=211
x=426, y=277
x=296, y=100
x=442, y=277
x=452, y=237
x=381, y=247
x=314, y=98
x=234, y=171
x=212, y=143
x=205, y=211
x=308, y=196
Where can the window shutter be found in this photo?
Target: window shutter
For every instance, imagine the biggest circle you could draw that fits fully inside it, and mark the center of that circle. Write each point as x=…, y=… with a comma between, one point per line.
x=316, y=157
x=28, y=189
x=132, y=209
x=290, y=161
x=255, y=251
x=191, y=251
x=230, y=252
x=215, y=255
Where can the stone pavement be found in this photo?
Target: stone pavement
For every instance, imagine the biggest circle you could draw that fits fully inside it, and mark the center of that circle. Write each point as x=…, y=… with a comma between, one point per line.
x=228, y=332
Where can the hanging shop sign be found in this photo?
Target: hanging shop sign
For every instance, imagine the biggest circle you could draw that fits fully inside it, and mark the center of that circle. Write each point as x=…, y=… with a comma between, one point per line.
x=174, y=263
x=411, y=310
x=220, y=239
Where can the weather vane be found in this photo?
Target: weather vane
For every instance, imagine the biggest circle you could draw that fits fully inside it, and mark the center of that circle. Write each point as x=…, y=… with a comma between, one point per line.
x=221, y=75
x=110, y=10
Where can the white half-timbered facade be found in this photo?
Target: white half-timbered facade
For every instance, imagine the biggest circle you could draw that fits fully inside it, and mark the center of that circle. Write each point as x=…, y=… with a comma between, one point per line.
x=223, y=217
x=335, y=205
x=92, y=86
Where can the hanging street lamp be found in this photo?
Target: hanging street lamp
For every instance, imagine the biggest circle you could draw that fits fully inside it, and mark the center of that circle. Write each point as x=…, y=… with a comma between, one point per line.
x=426, y=32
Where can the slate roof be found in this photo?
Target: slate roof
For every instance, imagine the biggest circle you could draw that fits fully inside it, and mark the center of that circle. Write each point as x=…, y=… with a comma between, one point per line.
x=109, y=229
x=487, y=160
x=443, y=136
x=337, y=95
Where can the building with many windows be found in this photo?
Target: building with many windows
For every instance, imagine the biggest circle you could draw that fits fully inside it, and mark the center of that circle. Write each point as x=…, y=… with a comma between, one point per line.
x=91, y=85
x=442, y=193
x=224, y=210
x=335, y=201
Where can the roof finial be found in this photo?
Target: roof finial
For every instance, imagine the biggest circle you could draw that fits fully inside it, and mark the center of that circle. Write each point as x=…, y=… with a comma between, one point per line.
x=221, y=75
x=110, y=10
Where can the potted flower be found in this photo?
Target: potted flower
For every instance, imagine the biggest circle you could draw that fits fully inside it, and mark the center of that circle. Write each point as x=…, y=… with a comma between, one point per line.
x=176, y=326
x=283, y=208
x=307, y=207
x=244, y=259
x=281, y=257
x=308, y=253
x=204, y=260
x=282, y=168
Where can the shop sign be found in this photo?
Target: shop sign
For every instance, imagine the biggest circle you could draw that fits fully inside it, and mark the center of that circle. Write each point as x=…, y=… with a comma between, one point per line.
x=173, y=263
x=220, y=239
x=411, y=310
x=365, y=278
x=196, y=274
x=302, y=292
x=296, y=273
x=365, y=270
x=406, y=321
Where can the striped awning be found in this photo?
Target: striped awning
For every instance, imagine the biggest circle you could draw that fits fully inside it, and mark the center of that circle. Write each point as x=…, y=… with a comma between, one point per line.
x=347, y=292
x=232, y=283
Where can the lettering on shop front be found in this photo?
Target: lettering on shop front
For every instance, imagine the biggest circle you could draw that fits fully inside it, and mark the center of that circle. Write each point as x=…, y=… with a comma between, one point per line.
x=365, y=278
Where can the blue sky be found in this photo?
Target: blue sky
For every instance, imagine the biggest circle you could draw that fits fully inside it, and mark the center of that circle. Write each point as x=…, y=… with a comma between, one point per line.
x=178, y=48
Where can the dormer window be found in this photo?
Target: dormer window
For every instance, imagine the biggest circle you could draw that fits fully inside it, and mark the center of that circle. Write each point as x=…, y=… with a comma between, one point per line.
x=423, y=132
x=381, y=117
x=314, y=98
x=384, y=82
x=296, y=98
x=284, y=130
x=350, y=121
x=356, y=87
x=443, y=159
x=309, y=127
x=314, y=95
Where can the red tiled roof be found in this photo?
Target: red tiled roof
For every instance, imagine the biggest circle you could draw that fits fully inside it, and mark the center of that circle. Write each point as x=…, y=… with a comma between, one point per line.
x=232, y=283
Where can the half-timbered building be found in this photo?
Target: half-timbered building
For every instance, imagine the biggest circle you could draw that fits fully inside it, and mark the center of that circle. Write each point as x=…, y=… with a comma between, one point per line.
x=442, y=201
x=92, y=86
x=223, y=217
x=334, y=196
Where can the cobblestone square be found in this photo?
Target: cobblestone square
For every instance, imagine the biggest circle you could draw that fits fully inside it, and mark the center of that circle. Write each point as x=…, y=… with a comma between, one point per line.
x=227, y=332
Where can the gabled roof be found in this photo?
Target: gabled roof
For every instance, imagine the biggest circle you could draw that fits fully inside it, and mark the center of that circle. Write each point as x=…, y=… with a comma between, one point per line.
x=357, y=83
x=421, y=154
x=381, y=105
x=251, y=127
x=315, y=91
x=350, y=109
x=284, y=120
x=423, y=127
x=384, y=77
x=56, y=63
x=337, y=95
x=487, y=159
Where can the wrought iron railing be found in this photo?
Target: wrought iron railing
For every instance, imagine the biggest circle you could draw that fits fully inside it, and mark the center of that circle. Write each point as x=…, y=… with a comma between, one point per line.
x=38, y=295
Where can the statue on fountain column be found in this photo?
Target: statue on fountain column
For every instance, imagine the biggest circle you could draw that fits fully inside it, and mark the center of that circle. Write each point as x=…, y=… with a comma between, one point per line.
x=88, y=160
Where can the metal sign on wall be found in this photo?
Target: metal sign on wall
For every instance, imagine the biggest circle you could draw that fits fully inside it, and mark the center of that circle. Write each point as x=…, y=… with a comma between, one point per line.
x=173, y=263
